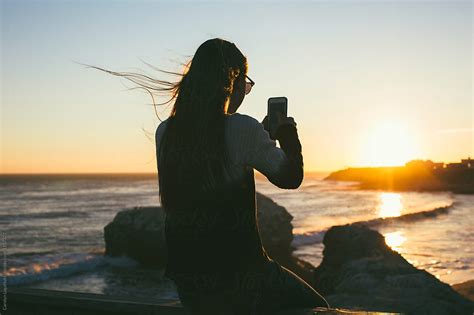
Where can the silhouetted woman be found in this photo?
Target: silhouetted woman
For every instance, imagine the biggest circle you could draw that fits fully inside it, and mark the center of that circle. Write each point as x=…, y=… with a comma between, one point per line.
x=206, y=153
x=206, y=156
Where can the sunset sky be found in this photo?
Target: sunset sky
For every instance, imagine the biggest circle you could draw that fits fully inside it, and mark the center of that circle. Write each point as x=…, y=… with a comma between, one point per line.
x=368, y=83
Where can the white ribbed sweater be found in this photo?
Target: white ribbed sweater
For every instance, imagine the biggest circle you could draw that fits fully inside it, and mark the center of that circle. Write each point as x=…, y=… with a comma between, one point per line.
x=250, y=145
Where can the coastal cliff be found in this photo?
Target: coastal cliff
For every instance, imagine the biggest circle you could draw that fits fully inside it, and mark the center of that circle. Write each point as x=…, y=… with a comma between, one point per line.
x=416, y=175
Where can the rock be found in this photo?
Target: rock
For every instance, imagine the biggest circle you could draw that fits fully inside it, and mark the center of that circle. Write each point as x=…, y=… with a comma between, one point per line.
x=359, y=271
x=139, y=234
x=274, y=225
x=466, y=289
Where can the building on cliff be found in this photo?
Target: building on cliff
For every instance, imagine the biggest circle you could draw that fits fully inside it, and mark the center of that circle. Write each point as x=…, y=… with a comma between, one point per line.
x=464, y=164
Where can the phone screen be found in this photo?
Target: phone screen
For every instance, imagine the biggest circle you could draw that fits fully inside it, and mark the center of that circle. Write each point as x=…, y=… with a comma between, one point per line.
x=276, y=105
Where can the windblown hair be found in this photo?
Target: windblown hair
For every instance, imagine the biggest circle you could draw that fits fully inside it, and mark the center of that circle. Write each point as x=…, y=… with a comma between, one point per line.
x=193, y=155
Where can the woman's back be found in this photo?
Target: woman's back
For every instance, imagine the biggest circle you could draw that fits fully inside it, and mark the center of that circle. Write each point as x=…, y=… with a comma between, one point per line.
x=219, y=235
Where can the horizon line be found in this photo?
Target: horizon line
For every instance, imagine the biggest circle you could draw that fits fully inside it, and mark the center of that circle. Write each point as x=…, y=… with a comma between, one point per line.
x=122, y=173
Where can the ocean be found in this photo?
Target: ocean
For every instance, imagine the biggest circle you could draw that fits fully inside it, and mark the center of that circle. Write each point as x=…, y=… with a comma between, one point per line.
x=52, y=228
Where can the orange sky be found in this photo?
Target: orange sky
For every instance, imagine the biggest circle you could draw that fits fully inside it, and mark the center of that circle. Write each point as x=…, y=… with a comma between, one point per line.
x=368, y=83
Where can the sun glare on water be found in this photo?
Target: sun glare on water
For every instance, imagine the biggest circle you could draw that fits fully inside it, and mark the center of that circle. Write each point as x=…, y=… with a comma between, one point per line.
x=395, y=240
x=390, y=205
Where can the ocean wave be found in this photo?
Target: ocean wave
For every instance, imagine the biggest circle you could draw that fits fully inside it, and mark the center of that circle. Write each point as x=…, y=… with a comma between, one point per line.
x=308, y=238
x=315, y=237
x=407, y=218
x=331, y=185
x=32, y=253
x=128, y=190
x=45, y=215
x=62, y=266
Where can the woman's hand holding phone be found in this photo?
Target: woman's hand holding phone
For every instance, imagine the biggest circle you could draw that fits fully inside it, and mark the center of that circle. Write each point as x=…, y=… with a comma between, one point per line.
x=282, y=120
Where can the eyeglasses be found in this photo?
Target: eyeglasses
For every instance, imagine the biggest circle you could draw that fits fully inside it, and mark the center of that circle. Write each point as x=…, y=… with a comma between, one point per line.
x=248, y=85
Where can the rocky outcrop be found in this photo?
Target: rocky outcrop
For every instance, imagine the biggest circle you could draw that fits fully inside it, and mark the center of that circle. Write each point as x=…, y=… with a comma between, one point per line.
x=139, y=233
x=359, y=271
x=276, y=232
x=466, y=289
x=274, y=225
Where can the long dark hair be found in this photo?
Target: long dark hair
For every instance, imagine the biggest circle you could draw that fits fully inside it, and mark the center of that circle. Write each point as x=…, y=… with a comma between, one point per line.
x=192, y=152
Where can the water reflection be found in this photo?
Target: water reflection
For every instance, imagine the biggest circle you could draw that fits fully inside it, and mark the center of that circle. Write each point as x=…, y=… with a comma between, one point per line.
x=395, y=240
x=390, y=205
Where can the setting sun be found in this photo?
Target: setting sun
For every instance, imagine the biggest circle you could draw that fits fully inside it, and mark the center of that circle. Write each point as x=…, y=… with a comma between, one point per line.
x=388, y=144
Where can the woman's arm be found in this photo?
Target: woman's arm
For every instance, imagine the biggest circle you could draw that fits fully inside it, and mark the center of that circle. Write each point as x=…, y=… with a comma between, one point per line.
x=282, y=166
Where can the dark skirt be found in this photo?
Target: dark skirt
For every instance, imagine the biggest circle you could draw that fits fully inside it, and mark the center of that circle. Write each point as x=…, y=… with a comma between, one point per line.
x=264, y=292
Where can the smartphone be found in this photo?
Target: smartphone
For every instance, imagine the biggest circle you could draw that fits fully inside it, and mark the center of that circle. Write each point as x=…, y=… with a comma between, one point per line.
x=275, y=105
